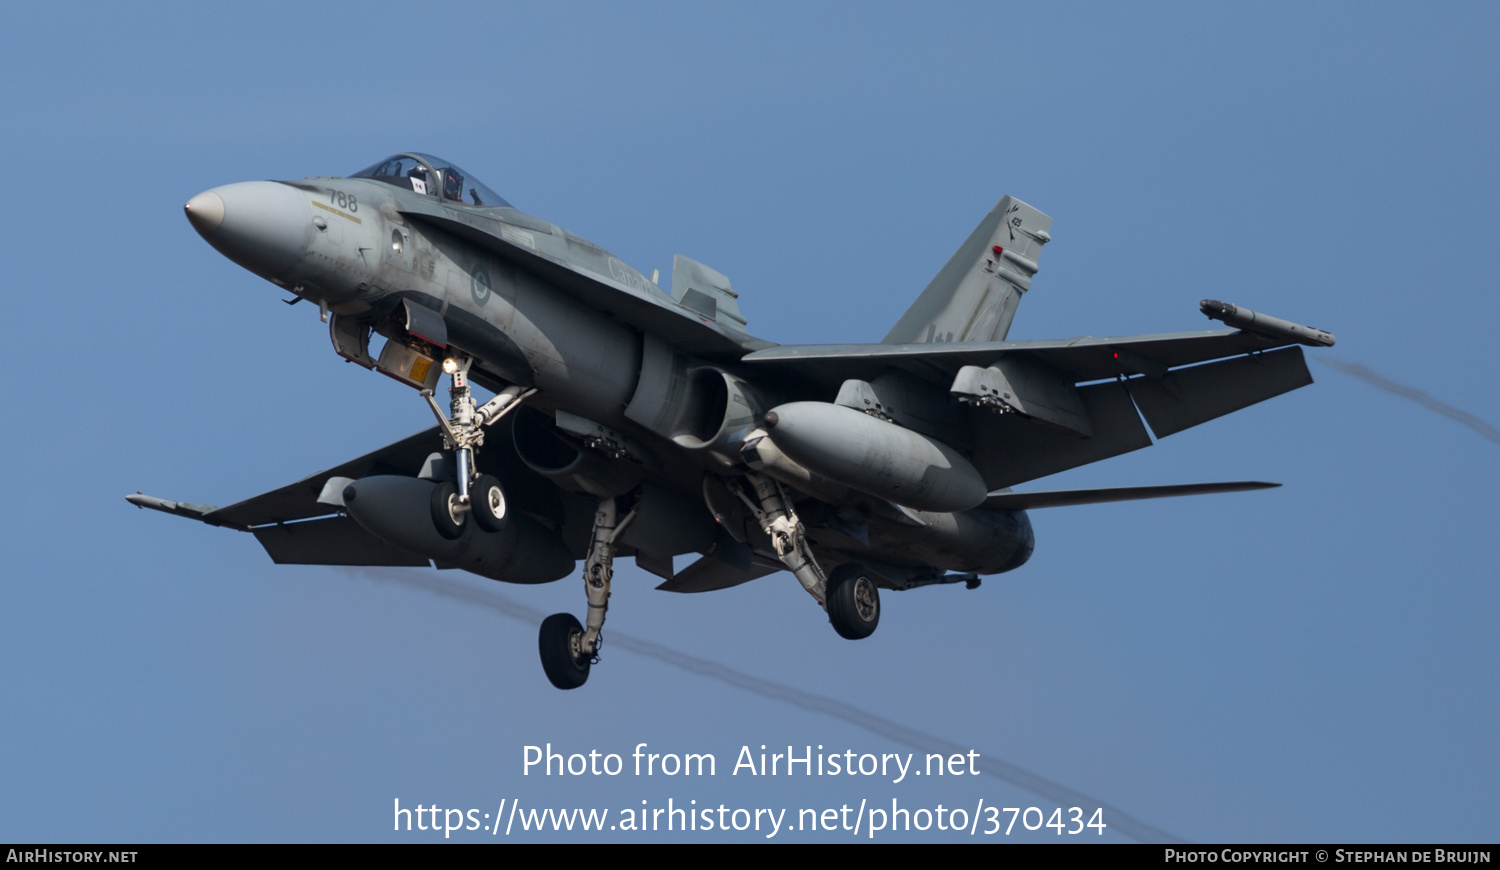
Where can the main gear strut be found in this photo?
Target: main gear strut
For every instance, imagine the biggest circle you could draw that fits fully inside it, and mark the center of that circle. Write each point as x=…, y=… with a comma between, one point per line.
x=774, y=511
x=567, y=648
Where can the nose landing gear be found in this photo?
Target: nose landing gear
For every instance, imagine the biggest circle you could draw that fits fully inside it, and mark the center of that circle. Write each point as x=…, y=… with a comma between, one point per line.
x=470, y=493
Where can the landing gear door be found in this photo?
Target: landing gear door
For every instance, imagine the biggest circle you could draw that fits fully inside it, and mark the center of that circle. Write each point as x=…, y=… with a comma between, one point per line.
x=351, y=339
x=409, y=365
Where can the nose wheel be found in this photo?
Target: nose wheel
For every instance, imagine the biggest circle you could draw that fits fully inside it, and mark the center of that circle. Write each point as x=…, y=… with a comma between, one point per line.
x=487, y=503
x=450, y=516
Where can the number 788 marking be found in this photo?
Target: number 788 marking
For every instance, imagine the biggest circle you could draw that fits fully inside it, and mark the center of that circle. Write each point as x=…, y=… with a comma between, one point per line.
x=343, y=200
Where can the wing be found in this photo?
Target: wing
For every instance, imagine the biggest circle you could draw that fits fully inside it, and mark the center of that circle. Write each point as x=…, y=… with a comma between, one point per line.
x=283, y=520
x=1084, y=358
x=1058, y=404
x=304, y=523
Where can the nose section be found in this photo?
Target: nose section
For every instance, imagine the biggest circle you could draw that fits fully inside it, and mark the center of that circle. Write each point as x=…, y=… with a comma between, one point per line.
x=262, y=225
x=205, y=212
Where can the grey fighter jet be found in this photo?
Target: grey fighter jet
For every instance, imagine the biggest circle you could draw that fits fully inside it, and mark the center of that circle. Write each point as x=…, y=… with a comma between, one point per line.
x=626, y=420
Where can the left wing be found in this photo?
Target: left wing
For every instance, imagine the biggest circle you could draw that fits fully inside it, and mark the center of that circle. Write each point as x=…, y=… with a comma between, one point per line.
x=1049, y=416
x=1084, y=358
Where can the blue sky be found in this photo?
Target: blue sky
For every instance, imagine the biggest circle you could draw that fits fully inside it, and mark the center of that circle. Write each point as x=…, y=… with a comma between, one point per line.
x=1309, y=663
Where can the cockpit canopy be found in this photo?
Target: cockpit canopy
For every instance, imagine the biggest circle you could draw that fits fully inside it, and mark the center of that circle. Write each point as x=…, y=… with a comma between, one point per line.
x=433, y=176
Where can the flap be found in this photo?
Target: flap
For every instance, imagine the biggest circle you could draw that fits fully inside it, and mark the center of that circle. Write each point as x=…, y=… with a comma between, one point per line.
x=331, y=541
x=1190, y=396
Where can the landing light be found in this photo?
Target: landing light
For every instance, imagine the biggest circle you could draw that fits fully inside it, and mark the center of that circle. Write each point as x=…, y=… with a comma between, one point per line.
x=450, y=365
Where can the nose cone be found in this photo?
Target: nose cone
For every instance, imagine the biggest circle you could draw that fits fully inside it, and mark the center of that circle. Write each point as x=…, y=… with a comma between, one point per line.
x=262, y=225
x=205, y=212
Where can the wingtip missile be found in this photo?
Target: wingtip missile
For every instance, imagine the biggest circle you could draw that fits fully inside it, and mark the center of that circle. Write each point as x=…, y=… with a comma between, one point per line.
x=1272, y=327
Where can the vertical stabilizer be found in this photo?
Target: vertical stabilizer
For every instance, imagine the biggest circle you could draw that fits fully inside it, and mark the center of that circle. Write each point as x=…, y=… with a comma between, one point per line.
x=974, y=297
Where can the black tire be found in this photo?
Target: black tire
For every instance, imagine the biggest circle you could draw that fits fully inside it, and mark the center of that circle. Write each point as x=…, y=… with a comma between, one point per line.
x=853, y=602
x=555, y=642
x=446, y=516
x=487, y=503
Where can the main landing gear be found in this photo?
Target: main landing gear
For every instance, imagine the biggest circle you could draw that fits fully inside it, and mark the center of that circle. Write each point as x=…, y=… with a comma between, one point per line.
x=853, y=602
x=469, y=493
x=849, y=595
x=567, y=648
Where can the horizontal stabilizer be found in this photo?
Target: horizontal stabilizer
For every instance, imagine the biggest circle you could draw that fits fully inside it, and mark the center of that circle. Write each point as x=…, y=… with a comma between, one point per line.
x=1013, y=501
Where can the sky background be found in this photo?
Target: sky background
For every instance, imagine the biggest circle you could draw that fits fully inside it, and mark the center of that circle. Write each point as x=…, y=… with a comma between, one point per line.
x=1312, y=663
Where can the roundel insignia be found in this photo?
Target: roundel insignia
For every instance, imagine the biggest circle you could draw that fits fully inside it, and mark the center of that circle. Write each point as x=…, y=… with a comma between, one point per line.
x=479, y=285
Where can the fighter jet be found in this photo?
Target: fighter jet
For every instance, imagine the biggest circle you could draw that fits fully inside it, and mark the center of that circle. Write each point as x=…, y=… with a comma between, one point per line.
x=621, y=419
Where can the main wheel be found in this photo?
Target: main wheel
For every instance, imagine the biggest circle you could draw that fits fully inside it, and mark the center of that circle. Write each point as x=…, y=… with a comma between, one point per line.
x=558, y=642
x=448, y=514
x=853, y=602
x=487, y=503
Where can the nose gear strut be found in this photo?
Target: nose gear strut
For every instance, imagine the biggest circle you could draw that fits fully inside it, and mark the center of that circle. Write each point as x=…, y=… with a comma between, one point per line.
x=463, y=431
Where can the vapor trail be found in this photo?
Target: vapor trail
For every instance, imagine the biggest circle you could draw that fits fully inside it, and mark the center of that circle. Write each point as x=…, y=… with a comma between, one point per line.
x=1417, y=396
x=909, y=737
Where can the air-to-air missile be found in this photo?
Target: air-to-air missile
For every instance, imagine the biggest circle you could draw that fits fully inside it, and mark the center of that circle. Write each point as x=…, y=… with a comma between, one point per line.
x=1271, y=327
